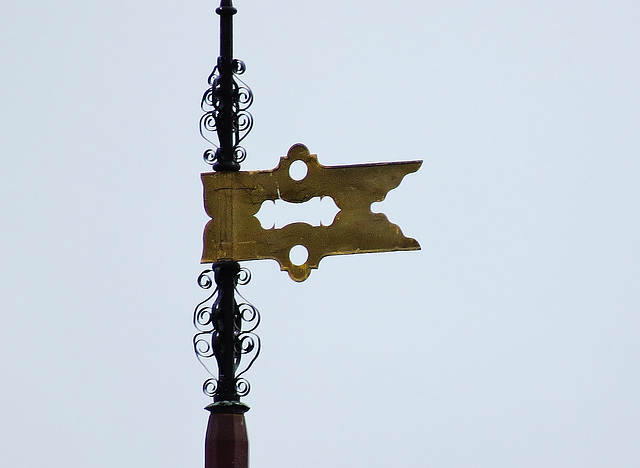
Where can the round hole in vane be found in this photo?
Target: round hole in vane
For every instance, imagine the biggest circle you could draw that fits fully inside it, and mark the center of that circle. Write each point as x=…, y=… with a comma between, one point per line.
x=298, y=255
x=298, y=170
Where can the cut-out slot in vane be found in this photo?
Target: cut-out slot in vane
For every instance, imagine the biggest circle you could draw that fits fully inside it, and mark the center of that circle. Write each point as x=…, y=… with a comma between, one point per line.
x=319, y=211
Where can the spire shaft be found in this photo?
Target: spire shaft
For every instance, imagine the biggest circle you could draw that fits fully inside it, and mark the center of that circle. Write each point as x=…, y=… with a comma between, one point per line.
x=225, y=121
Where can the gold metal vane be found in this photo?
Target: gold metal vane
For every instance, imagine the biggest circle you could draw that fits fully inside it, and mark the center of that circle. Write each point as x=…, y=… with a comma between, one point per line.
x=232, y=199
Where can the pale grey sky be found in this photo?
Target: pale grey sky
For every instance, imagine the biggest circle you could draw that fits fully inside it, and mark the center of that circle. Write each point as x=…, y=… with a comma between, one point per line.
x=510, y=340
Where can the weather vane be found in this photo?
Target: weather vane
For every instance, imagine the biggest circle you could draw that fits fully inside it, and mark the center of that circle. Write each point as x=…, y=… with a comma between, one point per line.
x=226, y=322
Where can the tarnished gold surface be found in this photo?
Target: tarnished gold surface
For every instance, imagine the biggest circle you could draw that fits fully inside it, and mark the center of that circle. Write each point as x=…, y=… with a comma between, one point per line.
x=233, y=198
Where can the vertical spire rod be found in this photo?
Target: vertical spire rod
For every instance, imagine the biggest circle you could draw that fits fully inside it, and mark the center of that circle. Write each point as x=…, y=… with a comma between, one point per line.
x=226, y=443
x=224, y=339
x=225, y=124
x=225, y=273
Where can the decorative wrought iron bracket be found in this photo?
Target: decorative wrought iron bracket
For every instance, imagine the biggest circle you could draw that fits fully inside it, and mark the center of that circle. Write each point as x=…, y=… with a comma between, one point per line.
x=233, y=198
x=226, y=101
x=226, y=332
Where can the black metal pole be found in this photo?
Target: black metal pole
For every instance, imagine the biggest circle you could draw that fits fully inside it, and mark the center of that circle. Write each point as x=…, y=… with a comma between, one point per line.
x=225, y=160
x=225, y=318
x=226, y=443
x=226, y=273
x=222, y=335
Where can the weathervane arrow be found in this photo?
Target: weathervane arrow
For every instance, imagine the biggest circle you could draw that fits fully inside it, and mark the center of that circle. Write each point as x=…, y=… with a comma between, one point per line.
x=232, y=200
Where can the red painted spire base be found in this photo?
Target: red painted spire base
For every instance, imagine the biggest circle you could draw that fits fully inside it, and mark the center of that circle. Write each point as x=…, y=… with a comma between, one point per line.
x=226, y=443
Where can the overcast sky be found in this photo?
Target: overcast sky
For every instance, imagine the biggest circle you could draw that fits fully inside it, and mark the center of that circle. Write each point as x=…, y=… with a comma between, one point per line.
x=509, y=340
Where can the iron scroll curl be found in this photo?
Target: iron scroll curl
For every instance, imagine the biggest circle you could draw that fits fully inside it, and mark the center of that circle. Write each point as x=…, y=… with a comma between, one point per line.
x=212, y=105
x=246, y=342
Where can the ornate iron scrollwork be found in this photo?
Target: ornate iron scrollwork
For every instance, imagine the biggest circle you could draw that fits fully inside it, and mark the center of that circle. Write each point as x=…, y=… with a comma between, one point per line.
x=212, y=105
x=209, y=343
